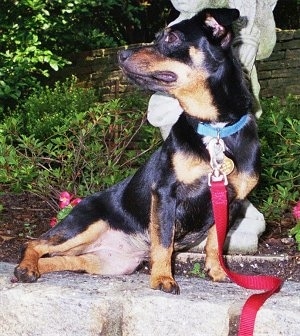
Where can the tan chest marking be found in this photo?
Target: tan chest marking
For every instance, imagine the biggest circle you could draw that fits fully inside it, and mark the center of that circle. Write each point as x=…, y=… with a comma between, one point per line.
x=189, y=168
x=243, y=183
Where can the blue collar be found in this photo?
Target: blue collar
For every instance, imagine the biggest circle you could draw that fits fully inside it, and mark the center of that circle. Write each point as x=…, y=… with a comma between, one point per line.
x=207, y=130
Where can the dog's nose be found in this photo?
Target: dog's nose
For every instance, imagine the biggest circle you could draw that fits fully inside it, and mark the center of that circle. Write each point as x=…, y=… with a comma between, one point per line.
x=124, y=54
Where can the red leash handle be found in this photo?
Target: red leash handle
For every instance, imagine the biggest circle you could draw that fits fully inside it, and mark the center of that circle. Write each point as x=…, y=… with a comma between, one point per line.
x=268, y=284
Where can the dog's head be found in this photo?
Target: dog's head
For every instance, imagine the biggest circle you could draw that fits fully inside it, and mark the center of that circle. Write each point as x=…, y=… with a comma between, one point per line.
x=186, y=60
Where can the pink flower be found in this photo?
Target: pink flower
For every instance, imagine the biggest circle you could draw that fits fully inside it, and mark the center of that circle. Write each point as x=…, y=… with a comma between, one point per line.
x=53, y=221
x=64, y=199
x=66, y=203
x=296, y=211
x=75, y=201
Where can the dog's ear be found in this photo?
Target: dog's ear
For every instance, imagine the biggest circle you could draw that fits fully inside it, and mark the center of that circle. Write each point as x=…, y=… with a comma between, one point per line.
x=218, y=21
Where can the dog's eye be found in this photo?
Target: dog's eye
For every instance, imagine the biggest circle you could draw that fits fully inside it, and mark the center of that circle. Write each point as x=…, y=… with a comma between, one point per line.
x=171, y=37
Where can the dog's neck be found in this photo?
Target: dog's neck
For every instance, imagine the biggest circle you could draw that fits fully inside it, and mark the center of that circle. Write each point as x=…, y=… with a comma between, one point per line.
x=199, y=105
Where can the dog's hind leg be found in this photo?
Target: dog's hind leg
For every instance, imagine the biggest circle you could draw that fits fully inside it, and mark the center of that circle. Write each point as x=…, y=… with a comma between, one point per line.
x=55, y=243
x=88, y=263
x=104, y=261
x=212, y=264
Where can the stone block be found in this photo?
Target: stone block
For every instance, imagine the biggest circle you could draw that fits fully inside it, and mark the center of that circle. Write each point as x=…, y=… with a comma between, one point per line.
x=293, y=44
x=293, y=54
x=285, y=35
x=297, y=34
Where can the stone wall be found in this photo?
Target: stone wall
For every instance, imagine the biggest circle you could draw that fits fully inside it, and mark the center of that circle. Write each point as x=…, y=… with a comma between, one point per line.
x=99, y=69
x=278, y=75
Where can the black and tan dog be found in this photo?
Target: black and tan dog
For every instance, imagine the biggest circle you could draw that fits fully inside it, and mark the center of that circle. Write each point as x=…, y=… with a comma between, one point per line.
x=166, y=205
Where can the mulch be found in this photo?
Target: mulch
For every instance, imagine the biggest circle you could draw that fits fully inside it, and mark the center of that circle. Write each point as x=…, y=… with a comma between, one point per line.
x=25, y=216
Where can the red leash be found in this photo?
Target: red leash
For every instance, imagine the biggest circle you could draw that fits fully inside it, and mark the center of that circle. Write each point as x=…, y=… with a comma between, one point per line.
x=268, y=284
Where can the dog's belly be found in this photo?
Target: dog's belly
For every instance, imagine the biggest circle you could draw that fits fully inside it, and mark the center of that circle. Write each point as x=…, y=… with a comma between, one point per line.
x=118, y=252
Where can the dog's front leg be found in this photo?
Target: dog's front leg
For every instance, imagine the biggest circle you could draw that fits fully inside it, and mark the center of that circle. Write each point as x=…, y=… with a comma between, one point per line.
x=212, y=264
x=162, y=228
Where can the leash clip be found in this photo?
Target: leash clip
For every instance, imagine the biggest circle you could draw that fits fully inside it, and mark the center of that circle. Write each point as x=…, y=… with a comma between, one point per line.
x=217, y=176
x=216, y=149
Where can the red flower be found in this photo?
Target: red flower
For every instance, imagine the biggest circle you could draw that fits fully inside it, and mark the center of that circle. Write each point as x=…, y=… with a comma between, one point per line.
x=296, y=211
x=75, y=201
x=53, y=221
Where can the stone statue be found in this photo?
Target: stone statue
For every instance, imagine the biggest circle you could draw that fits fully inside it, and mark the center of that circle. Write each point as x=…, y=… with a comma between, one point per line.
x=255, y=39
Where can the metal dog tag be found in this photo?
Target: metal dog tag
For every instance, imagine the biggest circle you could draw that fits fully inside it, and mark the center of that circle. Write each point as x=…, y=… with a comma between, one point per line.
x=227, y=166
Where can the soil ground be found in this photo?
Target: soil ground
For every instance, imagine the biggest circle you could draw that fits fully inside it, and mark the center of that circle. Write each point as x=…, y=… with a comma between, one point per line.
x=25, y=216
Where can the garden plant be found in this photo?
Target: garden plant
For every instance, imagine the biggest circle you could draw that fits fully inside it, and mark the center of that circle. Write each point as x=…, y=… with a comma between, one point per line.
x=81, y=146
x=62, y=140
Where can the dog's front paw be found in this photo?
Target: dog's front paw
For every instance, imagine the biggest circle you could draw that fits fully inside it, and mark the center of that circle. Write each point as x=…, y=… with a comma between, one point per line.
x=165, y=283
x=214, y=269
x=26, y=273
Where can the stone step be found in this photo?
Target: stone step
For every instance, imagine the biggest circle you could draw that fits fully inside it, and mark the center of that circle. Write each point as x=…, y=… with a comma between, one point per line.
x=67, y=304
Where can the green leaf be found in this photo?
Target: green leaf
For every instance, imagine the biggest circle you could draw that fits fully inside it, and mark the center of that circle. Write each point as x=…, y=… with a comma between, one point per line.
x=63, y=213
x=54, y=65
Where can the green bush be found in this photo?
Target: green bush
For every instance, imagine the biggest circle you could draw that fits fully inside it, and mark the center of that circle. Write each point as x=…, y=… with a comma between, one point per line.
x=279, y=132
x=88, y=148
x=47, y=108
x=24, y=53
x=37, y=35
x=87, y=151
